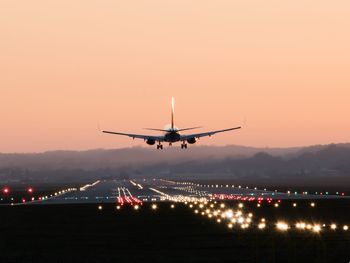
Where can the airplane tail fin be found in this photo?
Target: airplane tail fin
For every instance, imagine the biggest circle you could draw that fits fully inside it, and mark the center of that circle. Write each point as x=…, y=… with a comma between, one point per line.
x=172, y=125
x=172, y=112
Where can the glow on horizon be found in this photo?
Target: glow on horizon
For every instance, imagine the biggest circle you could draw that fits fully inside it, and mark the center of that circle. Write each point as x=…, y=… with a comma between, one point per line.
x=283, y=65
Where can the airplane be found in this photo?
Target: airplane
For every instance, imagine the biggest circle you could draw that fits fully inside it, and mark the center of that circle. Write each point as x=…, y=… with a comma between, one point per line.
x=172, y=134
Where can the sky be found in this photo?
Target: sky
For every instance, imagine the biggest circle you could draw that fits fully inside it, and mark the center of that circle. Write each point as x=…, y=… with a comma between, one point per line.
x=68, y=67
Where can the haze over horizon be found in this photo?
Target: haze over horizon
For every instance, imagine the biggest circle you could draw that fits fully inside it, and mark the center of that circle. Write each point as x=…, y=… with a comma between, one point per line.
x=68, y=65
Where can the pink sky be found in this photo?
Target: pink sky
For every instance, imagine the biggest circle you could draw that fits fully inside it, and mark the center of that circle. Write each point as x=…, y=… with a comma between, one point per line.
x=67, y=65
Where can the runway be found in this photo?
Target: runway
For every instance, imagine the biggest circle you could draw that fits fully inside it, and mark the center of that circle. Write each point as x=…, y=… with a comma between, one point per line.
x=135, y=191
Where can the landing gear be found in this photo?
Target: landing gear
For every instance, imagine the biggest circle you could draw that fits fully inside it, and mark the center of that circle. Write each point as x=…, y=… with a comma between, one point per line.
x=183, y=146
x=159, y=146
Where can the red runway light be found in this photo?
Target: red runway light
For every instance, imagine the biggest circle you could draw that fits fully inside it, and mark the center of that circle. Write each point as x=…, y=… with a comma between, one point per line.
x=30, y=190
x=6, y=190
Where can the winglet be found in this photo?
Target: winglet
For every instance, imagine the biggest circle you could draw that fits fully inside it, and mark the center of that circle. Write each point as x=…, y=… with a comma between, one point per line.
x=244, y=123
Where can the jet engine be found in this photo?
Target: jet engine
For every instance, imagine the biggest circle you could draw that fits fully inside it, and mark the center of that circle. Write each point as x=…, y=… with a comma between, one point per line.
x=150, y=142
x=191, y=140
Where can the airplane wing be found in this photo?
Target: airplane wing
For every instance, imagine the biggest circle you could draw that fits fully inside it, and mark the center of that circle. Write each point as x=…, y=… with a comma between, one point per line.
x=138, y=136
x=198, y=135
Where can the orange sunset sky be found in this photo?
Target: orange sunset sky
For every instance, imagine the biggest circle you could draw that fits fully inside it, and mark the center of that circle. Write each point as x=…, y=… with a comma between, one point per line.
x=67, y=65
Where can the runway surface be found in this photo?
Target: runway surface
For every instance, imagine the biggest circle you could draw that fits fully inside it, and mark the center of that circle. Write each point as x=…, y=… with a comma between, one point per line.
x=155, y=190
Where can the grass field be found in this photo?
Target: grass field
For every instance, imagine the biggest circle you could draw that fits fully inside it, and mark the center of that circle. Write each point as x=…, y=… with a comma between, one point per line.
x=83, y=233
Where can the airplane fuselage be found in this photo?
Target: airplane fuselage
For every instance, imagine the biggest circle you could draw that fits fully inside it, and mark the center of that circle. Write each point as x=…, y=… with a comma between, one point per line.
x=172, y=136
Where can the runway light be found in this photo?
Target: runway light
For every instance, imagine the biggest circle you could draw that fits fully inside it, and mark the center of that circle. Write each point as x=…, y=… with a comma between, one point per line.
x=282, y=226
x=218, y=220
x=118, y=207
x=316, y=228
x=240, y=205
x=30, y=190
x=258, y=205
x=294, y=205
x=136, y=207
x=154, y=206
x=172, y=206
x=333, y=226
x=6, y=190
x=229, y=214
x=261, y=225
x=312, y=204
x=276, y=205
x=244, y=226
x=100, y=207
x=345, y=228
x=229, y=225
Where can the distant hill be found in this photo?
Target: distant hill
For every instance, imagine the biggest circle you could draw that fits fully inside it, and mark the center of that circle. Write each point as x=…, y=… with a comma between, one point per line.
x=321, y=164
x=101, y=158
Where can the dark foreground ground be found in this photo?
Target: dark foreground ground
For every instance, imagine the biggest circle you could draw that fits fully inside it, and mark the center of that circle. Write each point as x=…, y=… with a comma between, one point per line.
x=82, y=233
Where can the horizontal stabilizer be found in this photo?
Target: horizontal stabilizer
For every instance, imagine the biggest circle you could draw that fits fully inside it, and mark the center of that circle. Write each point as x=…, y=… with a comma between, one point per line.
x=187, y=129
x=153, y=129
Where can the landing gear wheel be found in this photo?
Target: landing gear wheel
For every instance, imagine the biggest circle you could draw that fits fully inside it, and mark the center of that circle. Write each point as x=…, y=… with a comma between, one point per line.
x=184, y=146
x=159, y=146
